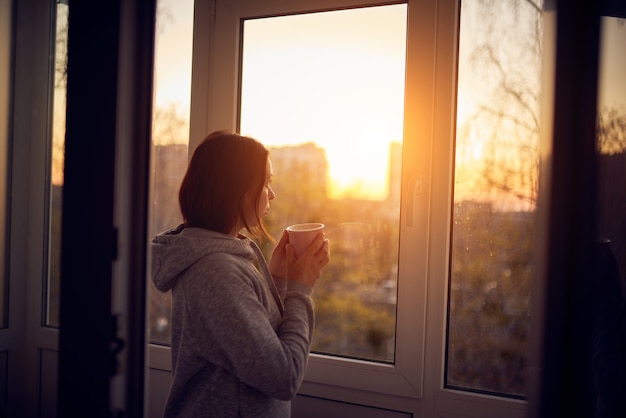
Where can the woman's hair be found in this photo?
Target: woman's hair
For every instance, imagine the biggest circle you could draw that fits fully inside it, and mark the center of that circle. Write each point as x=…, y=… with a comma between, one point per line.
x=225, y=177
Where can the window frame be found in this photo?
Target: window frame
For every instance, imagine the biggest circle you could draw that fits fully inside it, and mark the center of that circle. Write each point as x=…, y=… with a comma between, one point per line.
x=415, y=382
x=30, y=345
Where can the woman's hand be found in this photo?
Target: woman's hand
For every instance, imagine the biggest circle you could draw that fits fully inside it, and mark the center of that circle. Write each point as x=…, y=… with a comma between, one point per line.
x=307, y=268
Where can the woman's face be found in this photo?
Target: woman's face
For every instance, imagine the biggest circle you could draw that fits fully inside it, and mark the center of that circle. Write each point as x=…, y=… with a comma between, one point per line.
x=267, y=194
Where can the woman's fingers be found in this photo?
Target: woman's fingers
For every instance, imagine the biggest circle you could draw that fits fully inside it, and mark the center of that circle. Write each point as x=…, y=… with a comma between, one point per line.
x=308, y=267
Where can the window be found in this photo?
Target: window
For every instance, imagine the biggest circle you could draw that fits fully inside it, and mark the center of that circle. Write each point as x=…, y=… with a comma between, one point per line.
x=611, y=147
x=170, y=138
x=5, y=80
x=36, y=39
x=53, y=288
x=374, y=299
x=412, y=302
x=330, y=107
x=495, y=192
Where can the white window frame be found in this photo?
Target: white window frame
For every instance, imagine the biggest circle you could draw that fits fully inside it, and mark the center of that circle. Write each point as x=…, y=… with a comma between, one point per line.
x=415, y=382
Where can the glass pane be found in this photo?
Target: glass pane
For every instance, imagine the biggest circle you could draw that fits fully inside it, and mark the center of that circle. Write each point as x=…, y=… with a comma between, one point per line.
x=6, y=39
x=170, y=136
x=495, y=191
x=56, y=176
x=609, y=332
x=325, y=92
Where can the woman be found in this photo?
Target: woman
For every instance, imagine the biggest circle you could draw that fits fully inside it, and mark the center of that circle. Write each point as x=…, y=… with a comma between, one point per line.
x=241, y=330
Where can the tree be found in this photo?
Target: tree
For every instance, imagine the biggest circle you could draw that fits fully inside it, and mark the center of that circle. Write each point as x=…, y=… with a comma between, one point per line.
x=612, y=131
x=507, y=52
x=492, y=243
x=497, y=165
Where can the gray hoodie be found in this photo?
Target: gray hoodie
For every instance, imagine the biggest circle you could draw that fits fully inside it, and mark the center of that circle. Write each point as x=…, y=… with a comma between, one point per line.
x=239, y=345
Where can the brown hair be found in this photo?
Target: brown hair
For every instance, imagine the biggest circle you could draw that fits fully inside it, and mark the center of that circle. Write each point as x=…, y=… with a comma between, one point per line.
x=225, y=176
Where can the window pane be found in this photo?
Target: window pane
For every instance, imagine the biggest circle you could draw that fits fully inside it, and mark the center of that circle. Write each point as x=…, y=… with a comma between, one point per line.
x=56, y=175
x=609, y=332
x=325, y=92
x=170, y=136
x=612, y=138
x=495, y=191
x=6, y=39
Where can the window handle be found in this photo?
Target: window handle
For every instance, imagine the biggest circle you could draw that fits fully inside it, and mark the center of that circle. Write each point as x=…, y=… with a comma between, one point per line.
x=414, y=189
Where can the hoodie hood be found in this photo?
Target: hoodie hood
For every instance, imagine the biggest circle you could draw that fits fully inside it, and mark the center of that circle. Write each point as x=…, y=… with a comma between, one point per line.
x=175, y=250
